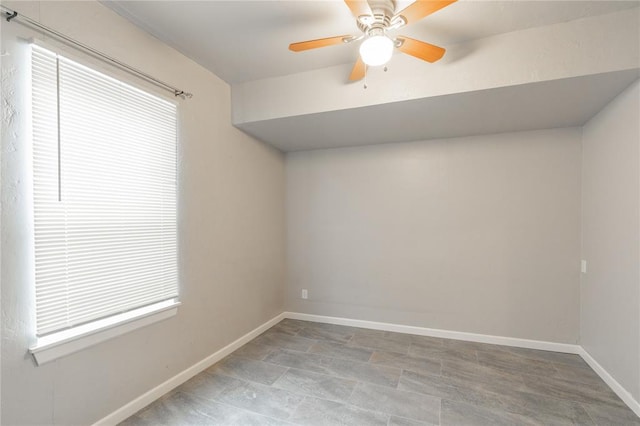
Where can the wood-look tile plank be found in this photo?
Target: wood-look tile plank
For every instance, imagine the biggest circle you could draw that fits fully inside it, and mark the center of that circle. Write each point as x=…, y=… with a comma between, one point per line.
x=457, y=413
x=320, y=412
x=410, y=405
x=406, y=362
x=300, y=360
x=319, y=333
x=207, y=386
x=490, y=378
x=316, y=385
x=401, y=421
x=281, y=340
x=290, y=326
x=349, y=369
x=261, y=399
x=365, y=372
x=378, y=343
x=248, y=369
x=341, y=351
x=515, y=364
x=442, y=352
x=381, y=340
x=254, y=350
x=427, y=341
x=579, y=374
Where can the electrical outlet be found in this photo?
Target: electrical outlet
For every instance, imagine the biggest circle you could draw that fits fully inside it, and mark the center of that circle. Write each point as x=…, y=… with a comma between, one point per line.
x=305, y=294
x=583, y=266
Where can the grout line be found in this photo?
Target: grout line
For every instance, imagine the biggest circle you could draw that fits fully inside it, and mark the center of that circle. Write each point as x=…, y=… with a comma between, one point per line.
x=522, y=379
x=352, y=392
x=297, y=405
x=280, y=376
x=304, y=398
x=270, y=351
x=399, y=378
x=588, y=414
x=370, y=356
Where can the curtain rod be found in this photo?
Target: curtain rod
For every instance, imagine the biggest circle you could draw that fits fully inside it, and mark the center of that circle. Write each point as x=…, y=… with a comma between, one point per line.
x=10, y=14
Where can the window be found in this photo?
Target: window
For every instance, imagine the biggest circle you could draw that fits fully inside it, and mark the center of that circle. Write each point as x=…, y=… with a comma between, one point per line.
x=104, y=179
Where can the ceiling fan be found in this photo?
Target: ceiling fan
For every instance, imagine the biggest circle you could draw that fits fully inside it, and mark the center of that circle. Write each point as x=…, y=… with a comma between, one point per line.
x=375, y=18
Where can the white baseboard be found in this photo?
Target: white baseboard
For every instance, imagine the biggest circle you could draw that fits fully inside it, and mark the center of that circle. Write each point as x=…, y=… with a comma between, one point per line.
x=609, y=380
x=155, y=393
x=446, y=334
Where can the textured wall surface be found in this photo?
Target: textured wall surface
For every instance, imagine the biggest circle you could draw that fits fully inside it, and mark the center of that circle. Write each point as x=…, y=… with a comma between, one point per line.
x=478, y=234
x=610, y=297
x=231, y=233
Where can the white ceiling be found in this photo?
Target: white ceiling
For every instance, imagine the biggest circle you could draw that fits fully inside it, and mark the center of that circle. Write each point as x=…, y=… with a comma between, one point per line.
x=248, y=40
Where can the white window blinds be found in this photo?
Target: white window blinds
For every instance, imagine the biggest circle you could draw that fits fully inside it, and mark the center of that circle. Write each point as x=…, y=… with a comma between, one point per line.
x=104, y=175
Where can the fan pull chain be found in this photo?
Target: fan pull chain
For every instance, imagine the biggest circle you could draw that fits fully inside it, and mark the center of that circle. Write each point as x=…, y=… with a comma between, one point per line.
x=365, y=76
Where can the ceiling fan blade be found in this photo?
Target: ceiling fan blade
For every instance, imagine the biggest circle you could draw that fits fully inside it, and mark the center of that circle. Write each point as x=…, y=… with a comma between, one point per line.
x=321, y=42
x=357, y=73
x=421, y=8
x=359, y=7
x=420, y=49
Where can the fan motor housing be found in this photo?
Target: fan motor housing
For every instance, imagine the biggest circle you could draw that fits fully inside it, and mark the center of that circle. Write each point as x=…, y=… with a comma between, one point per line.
x=383, y=11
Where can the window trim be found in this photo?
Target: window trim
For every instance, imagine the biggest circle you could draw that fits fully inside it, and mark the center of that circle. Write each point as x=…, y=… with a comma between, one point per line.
x=62, y=343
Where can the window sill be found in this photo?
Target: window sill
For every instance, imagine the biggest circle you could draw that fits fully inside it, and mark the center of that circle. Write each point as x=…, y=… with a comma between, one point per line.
x=66, y=342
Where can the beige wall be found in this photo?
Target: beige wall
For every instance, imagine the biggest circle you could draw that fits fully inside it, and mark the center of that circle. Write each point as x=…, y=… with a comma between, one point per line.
x=231, y=223
x=477, y=234
x=610, y=298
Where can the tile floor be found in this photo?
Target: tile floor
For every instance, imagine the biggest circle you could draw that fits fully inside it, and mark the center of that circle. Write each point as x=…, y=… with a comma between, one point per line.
x=308, y=373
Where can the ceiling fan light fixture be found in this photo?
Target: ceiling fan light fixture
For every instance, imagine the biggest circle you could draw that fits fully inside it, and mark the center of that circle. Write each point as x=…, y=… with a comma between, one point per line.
x=376, y=50
x=375, y=18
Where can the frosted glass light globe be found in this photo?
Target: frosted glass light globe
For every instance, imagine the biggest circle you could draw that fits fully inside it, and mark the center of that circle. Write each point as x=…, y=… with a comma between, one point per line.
x=376, y=50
